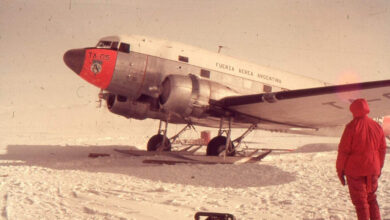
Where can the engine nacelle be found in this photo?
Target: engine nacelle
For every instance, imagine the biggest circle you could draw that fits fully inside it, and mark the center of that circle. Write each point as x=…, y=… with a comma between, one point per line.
x=189, y=95
x=121, y=105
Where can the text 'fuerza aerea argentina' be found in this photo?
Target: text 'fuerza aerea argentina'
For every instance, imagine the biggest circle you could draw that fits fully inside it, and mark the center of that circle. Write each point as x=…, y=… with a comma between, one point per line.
x=245, y=72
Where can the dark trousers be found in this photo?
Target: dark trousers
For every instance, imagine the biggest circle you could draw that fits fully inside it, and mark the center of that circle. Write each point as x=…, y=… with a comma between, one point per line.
x=362, y=191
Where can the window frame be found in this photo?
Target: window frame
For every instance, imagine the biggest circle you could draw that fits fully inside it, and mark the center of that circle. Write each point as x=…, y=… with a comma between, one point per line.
x=205, y=73
x=267, y=88
x=124, y=47
x=183, y=59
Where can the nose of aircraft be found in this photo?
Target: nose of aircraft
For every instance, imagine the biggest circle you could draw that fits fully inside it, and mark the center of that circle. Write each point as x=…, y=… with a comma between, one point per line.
x=74, y=59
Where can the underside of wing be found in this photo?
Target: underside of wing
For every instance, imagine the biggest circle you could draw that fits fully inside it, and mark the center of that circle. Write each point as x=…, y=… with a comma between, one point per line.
x=312, y=108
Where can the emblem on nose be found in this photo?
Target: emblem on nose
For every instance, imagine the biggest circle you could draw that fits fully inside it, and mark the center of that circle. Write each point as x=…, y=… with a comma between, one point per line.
x=96, y=66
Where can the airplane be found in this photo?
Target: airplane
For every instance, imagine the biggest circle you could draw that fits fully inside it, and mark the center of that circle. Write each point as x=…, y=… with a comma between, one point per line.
x=143, y=77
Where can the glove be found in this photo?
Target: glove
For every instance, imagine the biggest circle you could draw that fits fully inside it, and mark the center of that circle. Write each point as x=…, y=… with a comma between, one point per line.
x=341, y=176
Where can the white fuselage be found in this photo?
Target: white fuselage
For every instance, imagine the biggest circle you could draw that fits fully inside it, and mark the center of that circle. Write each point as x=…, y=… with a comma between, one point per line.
x=153, y=78
x=244, y=77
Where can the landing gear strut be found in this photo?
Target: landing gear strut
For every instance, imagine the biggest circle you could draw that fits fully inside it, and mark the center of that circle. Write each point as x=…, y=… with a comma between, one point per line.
x=218, y=144
x=221, y=143
x=160, y=142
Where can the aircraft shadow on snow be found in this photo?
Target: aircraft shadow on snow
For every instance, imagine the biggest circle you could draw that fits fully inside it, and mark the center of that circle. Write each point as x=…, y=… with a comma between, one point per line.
x=314, y=148
x=73, y=157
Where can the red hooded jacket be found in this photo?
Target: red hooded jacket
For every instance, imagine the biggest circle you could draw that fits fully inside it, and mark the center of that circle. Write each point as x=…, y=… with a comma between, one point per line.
x=362, y=147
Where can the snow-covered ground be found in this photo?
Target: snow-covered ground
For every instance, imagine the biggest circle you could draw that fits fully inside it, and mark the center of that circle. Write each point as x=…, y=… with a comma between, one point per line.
x=49, y=123
x=45, y=173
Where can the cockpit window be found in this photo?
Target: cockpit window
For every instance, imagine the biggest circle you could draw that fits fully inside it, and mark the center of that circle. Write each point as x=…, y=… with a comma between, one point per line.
x=104, y=44
x=114, y=45
x=124, y=47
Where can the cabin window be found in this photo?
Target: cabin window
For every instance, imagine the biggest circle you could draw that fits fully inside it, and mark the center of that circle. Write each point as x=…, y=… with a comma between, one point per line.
x=104, y=44
x=205, y=73
x=183, y=59
x=267, y=88
x=114, y=45
x=123, y=47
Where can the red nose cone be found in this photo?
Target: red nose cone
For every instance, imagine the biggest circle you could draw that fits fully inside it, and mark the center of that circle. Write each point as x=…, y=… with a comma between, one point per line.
x=74, y=59
x=96, y=66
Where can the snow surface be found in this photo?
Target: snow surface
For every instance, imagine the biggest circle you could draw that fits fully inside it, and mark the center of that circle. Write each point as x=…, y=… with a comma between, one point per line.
x=45, y=172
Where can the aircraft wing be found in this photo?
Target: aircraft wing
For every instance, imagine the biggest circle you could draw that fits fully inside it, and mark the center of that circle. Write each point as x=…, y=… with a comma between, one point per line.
x=314, y=108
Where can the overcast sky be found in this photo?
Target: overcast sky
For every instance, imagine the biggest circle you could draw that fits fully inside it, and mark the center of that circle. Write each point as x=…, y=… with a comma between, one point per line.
x=324, y=39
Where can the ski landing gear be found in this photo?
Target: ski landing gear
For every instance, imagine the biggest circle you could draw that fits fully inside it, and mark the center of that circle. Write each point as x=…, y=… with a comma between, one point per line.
x=218, y=144
x=160, y=141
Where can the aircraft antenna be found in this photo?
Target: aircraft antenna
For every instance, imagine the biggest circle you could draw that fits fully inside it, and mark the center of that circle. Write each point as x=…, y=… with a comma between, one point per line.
x=220, y=48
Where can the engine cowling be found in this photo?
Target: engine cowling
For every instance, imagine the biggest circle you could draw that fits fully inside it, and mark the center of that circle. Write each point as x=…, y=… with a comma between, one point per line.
x=188, y=95
x=121, y=105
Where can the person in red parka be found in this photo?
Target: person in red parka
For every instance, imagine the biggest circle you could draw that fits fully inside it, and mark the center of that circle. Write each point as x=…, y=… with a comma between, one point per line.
x=360, y=158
